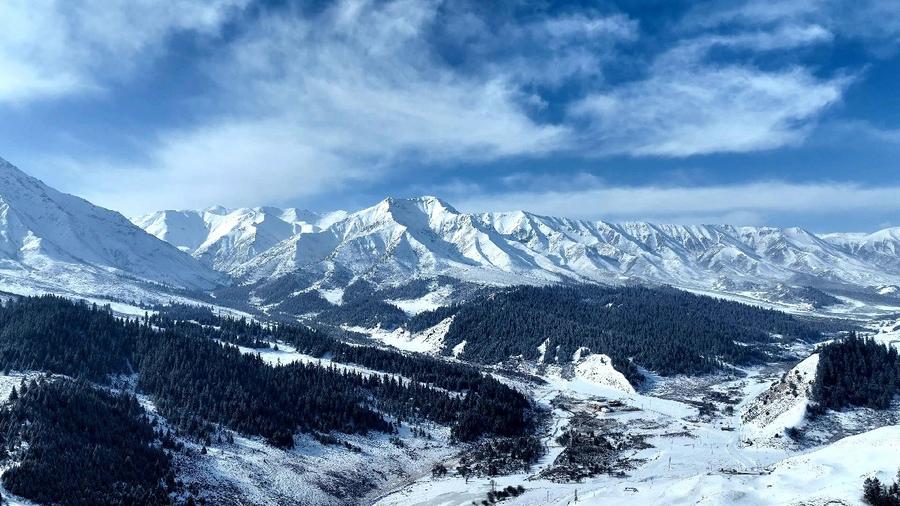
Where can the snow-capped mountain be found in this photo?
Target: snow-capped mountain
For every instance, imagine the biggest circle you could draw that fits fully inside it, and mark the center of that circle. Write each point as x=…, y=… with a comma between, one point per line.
x=880, y=248
x=226, y=238
x=52, y=241
x=399, y=239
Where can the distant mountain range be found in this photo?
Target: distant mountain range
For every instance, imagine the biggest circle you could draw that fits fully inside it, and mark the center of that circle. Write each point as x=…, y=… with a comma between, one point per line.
x=400, y=239
x=51, y=241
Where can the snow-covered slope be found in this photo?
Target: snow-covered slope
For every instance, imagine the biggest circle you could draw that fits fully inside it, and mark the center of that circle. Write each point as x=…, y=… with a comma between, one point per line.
x=225, y=238
x=402, y=238
x=598, y=370
x=783, y=404
x=51, y=241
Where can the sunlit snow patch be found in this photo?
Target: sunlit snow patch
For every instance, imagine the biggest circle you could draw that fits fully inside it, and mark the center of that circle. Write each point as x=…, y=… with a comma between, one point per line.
x=598, y=369
x=430, y=340
x=428, y=302
x=334, y=295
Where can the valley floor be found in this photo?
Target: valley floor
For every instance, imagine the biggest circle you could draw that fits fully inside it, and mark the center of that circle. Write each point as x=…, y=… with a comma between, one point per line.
x=703, y=446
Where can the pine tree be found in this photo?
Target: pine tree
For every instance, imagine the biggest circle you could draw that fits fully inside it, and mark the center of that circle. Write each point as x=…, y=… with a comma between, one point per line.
x=872, y=491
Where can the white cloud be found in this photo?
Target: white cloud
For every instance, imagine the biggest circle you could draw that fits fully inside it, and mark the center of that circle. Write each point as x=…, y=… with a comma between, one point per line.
x=750, y=203
x=52, y=48
x=875, y=22
x=239, y=164
x=548, y=51
x=315, y=102
x=686, y=108
x=785, y=36
x=693, y=104
x=837, y=131
x=307, y=104
x=339, y=96
x=312, y=103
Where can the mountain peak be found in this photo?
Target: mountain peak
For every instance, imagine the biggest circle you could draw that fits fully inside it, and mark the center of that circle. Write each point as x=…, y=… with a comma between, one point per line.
x=217, y=209
x=426, y=203
x=15, y=183
x=890, y=233
x=426, y=236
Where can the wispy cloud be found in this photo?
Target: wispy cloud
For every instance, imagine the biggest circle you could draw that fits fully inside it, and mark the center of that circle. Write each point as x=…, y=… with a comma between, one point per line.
x=317, y=101
x=689, y=108
x=692, y=103
x=359, y=88
x=747, y=204
x=863, y=130
x=547, y=50
x=875, y=22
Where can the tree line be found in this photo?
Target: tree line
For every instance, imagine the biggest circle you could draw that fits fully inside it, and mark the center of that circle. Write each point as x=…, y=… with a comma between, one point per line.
x=877, y=494
x=423, y=369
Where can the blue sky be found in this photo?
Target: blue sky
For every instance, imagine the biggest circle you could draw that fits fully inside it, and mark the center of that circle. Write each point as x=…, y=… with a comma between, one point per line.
x=748, y=112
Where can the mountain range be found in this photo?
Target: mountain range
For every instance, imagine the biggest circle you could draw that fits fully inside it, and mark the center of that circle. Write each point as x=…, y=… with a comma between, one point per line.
x=424, y=237
x=51, y=241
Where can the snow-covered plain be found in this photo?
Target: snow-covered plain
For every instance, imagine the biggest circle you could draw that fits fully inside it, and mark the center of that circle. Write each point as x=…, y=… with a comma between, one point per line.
x=829, y=475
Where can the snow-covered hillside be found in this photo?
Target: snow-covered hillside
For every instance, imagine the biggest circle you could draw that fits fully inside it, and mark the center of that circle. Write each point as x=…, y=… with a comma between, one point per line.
x=425, y=237
x=783, y=404
x=54, y=242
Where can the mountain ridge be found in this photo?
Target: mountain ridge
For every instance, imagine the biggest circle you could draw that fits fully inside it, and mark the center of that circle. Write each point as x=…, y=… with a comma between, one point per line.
x=52, y=241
